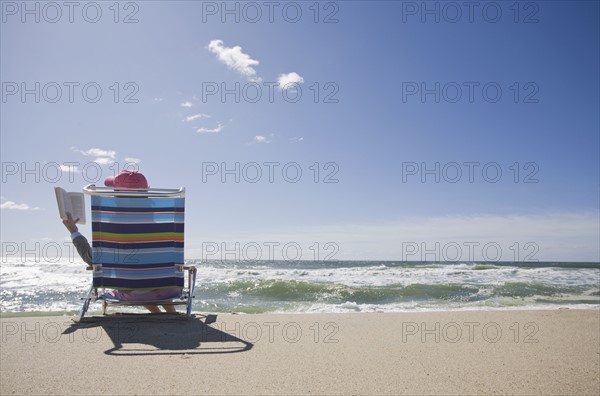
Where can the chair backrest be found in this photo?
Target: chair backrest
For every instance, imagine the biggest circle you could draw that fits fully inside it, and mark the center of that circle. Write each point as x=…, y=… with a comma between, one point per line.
x=137, y=242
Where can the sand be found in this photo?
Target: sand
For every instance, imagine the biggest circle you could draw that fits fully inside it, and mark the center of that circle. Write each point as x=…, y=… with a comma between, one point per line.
x=466, y=352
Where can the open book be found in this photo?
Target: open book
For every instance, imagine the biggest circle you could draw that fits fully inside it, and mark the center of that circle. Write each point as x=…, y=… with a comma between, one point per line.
x=72, y=202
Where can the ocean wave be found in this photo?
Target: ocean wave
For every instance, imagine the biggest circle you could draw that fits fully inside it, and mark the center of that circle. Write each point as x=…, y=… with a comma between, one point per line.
x=345, y=286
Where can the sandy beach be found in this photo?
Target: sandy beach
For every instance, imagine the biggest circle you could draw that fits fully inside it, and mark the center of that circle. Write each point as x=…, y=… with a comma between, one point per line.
x=466, y=352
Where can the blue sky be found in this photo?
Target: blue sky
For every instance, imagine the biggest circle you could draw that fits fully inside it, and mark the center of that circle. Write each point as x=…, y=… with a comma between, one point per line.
x=545, y=123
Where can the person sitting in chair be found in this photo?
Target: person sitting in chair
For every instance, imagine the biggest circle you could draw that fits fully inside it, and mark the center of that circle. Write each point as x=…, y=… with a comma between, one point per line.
x=125, y=179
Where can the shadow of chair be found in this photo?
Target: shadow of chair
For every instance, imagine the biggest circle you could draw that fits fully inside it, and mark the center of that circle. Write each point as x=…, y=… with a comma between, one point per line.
x=160, y=334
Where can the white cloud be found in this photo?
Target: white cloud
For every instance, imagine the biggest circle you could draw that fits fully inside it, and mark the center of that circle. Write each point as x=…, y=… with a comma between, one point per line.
x=234, y=58
x=96, y=152
x=158, y=99
x=104, y=160
x=289, y=80
x=218, y=129
x=296, y=139
x=261, y=139
x=15, y=206
x=187, y=104
x=131, y=160
x=196, y=117
x=69, y=168
x=103, y=157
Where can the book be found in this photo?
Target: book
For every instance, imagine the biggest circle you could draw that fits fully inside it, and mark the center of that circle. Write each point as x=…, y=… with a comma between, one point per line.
x=72, y=202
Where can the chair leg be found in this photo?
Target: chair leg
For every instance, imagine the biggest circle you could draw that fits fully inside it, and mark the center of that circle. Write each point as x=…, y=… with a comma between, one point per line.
x=191, y=288
x=84, y=308
x=86, y=303
x=188, y=310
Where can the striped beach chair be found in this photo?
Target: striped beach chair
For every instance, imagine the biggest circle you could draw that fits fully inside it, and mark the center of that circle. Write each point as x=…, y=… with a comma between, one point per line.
x=137, y=245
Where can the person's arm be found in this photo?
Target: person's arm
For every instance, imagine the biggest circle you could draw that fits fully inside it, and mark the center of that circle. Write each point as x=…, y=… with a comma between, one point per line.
x=81, y=243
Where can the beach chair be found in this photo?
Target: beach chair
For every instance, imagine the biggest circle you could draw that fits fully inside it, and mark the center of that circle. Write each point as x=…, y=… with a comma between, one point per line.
x=137, y=245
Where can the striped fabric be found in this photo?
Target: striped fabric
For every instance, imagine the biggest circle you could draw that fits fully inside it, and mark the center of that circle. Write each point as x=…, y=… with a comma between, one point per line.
x=138, y=242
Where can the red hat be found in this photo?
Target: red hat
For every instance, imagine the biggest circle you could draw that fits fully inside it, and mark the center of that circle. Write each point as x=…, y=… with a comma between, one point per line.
x=127, y=179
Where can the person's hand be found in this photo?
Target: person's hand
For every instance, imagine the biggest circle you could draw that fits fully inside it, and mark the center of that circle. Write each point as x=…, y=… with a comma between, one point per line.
x=70, y=223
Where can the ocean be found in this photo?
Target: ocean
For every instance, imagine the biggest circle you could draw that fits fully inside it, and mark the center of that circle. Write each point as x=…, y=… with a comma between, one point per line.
x=34, y=287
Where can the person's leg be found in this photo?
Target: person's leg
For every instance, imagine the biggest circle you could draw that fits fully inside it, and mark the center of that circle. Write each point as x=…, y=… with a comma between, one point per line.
x=170, y=308
x=152, y=308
